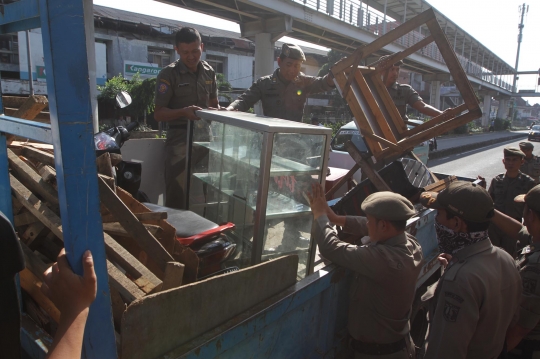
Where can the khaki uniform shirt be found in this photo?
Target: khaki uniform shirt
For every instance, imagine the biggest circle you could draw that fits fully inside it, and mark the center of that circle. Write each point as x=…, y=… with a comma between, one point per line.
x=473, y=304
x=504, y=189
x=281, y=99
x=178, y=87
x=531, y=167
x=529, y=269
x=403, y=95
x=385, y=279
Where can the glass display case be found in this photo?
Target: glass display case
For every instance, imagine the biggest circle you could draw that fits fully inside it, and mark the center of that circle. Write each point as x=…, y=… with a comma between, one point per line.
x=254, y=171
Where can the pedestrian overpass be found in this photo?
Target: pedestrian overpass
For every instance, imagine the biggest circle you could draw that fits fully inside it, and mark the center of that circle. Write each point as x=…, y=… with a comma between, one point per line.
x=345, y=25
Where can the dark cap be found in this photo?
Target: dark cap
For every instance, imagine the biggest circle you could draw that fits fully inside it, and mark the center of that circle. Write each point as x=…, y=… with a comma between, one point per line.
x=513, y=151
x=293, y=51
x=526, y=145
x=383, y=58
x=463, y=199
x=388, y=205
x=532, y=198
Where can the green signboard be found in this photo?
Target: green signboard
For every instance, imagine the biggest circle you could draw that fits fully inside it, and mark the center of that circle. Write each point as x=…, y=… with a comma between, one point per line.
x=40, y=71
x=147, y=71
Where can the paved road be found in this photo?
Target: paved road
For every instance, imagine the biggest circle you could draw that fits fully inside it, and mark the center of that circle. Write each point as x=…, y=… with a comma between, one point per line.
x=444, y=143
x=486, y=161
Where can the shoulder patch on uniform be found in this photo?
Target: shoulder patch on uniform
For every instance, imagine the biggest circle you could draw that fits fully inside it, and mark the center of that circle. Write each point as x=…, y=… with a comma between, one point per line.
x=163, y=88
x=209, y=82
x=453, y=296
x=529, y=285
x=450, y=312
x=165, y=81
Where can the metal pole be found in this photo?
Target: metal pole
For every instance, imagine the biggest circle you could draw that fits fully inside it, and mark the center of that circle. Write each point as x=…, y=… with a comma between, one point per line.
x=384, y=19
x=520, y=37
x=29, y=55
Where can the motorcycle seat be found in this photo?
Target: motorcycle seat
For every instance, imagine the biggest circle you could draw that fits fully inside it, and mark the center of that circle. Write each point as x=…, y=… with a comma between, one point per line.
x=190, y=227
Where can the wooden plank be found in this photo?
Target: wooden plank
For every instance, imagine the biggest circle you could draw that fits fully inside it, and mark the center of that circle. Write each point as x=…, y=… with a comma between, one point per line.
x=31, y=107
x=374, y=106
x=127, y=289
x=31, y=179
x=379, y=43
x=342, y=181
x=351, y=76
x=367, y=170
x=116, y=158
x=115, y=228
x=443, y=117
x=389, y=105
x=440, y=184
x=32, y=232
x=104, y=165
x=38, y=155
x=360, y=118
x=130, y=223
x=143, y=278
x=33, y=262
x=47, y=173
x=24, y=219
x=173, y=276
x=16, y=101
x=191, y=310
x=440, y=129
x=40, y=146
x=142, y=217
x=385, y=142
x=459, y=77
x=392, y=59
x=32, y=285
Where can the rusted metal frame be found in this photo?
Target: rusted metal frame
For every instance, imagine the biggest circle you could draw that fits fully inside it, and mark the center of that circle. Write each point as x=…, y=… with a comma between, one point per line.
x=443, y=117
x=452, y=62
x=367, y=170
x=372, y=103
x=389, y=104
x=342, y=181
x=356, y=108
x=389, y=37
x=440, y=128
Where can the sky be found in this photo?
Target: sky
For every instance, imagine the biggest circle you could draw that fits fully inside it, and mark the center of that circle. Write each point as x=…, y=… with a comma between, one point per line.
x=492, y=22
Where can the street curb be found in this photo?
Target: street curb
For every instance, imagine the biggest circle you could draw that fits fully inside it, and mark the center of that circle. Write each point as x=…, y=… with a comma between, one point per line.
x=472, y=146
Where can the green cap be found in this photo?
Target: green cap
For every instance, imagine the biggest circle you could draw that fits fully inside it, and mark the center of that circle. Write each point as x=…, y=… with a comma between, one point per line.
x=532, y=198
x=513, y=151
x=383, y=58
x=463, y=199
x=293, y=51
x=389, y=206
x=526, y=145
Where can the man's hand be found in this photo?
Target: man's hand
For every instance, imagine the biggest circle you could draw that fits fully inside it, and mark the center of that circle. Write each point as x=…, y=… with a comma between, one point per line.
x=317, y=201
x=189, y=112
x=71, y=293
x=444, y=259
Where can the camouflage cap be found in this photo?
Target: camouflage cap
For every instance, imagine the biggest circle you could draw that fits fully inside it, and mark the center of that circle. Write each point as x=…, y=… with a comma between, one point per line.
x=463, y=199
x=513, y=151
x=383, y=58
x=532, y=198
x=293, y=51
x=526, y=145
x=389, y=206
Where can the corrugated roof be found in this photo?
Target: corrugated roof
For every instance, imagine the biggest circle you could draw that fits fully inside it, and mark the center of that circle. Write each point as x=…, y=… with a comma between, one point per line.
x=126, y=16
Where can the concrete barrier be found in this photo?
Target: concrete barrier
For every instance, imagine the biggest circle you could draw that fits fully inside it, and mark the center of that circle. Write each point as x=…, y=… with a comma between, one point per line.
x=473, y=146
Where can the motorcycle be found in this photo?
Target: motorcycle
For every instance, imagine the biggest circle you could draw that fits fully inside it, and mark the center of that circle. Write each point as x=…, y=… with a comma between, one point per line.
x=207, y=239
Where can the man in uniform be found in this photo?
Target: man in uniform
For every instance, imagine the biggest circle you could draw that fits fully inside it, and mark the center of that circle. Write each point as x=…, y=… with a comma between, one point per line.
x=183, y=87
x=531, y=165
x=503, y=189
x=477, y=297
x=386, y=270
x=527, y=329
x=283, y=95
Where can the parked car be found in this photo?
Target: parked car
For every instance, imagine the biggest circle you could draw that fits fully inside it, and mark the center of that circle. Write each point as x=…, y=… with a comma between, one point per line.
x=534, y=134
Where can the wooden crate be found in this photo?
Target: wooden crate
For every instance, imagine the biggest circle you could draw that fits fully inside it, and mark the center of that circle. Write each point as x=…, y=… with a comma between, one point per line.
x=376, y=116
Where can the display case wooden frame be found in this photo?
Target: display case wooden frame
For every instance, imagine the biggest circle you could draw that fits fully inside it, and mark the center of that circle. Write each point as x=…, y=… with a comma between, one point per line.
x=375, y=113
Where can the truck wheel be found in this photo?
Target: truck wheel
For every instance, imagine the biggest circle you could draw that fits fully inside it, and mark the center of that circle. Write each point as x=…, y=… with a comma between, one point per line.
x=419, y=323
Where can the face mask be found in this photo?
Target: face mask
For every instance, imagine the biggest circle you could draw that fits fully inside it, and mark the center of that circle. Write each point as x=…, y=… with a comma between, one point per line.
x=451, y=242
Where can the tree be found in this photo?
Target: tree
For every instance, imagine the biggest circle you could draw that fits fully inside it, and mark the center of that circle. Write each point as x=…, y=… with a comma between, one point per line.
x=224, y=87
x=334, y=56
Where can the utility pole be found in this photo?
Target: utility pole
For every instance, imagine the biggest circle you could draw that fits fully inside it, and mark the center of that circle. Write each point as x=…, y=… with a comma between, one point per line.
x=520, y=37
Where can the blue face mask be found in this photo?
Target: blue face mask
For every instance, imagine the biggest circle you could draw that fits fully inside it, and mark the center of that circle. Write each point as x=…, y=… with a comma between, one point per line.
x=452, y=242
